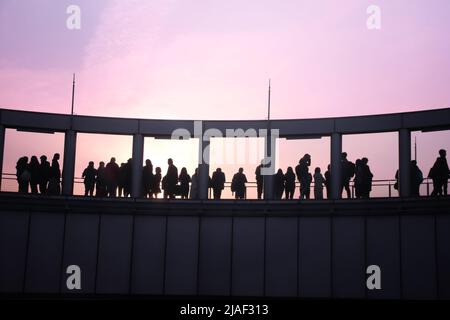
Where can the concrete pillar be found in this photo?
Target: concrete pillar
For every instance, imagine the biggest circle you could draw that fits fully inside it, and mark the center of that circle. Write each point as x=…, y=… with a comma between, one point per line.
x=270, y=145
x=68, y=173
x=404, y=147
x=203, y=169
x=336, y=172
x=138, y=158
x=2, y=147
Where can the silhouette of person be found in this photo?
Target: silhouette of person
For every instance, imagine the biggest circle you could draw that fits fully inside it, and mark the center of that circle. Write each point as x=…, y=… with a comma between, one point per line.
x=164, y=187
x=289, y=183
x=171, y=179
x=259, y=180
x=44, y=174
x=217, y=183
x=100, y=185
x=366, y=179
x=89, y=175
x=238, y=184
x=328, y=181
x=184, y=179
x=147, y=179
x=440, y=174
x=54, y=183
x=194, y=185
x=309, y=179
x=112, y=176
x=34, y=174
x=416, y=179
x=156, y=189
x=358, y=180
x=303, y=175
x=121, y=181
x=278, y=182
x=23, y=174
x=348, y=171
x=128, y=175
x=319, y=181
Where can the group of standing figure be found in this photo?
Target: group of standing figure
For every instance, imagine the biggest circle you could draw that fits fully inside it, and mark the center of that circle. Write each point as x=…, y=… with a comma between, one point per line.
x=285, y=182
x=439, y=174
x=39, y=177
x=112, y=180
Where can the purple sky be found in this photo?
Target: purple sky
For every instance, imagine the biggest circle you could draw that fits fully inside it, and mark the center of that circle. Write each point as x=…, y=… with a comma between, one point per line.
x=208, y=59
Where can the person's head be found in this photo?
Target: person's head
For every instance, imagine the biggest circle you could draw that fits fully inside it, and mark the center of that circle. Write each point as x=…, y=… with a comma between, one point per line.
x=344, y=155
x=219, y=170
x=56, y=156
x=91, y=164
x=329, y=167
x=158, y=170
x=414, y=163
x=113, y=160
x=317, y=170
x=43, y=158
x=280, y=172
x=241, y=170
x=443, y=153
x=148, y=162
x=101, y=164
x=358, y=162
x=130, y=161
x=289, y=169
x=170, y=161
x=34, y=159
x=183, y=170
x=364, y=160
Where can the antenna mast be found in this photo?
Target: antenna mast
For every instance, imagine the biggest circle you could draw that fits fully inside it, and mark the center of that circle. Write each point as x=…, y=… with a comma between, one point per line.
x=268, y=104
x=73, y=94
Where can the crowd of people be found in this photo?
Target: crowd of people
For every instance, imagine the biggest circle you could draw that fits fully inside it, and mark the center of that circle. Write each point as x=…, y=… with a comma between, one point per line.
x=112, y=180
x=284, y=183
x=40, y=177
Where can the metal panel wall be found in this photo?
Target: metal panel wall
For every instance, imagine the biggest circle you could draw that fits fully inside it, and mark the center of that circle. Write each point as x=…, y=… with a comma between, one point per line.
x=80, y=248
x=383, y=250
x=45, y=248
x=215, y=256
x=114, y=257
x=148, y=255
x=248, y=257
x=314, y=257
x=281, y=257
x=348, y=257
x=13, y=250
x=443, y=255
x=182, y=255
x=418, y=257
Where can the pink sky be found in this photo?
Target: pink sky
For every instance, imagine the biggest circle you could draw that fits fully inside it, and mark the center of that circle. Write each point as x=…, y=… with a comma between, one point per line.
x=208, y=59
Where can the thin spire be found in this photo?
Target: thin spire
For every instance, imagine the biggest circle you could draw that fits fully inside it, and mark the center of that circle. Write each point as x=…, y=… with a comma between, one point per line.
x=268, y=103
x=415, y=148
x=73, y=94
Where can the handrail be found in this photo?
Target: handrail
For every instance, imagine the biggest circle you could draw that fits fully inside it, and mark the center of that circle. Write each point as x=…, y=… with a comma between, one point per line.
x=252, y=184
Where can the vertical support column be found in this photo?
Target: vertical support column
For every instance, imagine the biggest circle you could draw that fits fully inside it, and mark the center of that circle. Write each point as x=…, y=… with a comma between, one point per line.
x=404, y=147
x=138, y=157
x=68, y=174
x=336, y=172
x=203, y=168
x=270, y=145
x=2, y=147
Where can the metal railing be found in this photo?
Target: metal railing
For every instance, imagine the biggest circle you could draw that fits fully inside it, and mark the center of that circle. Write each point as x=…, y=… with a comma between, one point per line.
x=386, y=184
